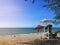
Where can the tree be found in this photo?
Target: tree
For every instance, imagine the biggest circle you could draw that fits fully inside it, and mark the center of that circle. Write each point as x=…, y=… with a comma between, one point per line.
x=54, y=5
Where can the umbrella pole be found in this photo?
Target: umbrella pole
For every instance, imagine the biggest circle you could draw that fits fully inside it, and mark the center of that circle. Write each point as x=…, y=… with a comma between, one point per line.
x=38, y=31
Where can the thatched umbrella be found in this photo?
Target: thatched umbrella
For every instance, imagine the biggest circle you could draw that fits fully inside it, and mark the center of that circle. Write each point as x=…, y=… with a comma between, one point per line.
x=46, y=21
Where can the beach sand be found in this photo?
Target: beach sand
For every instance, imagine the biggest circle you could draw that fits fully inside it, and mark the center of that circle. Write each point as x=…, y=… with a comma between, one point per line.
x=29, y=39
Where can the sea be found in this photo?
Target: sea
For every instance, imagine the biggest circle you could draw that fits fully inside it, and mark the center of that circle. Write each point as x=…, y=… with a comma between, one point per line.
x=21, y=31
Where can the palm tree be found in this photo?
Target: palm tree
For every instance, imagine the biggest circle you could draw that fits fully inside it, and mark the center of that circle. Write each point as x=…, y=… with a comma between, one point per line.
x=53, y=5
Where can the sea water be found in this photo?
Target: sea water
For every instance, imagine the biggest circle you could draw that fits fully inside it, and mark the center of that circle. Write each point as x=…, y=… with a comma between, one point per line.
x=17, y=31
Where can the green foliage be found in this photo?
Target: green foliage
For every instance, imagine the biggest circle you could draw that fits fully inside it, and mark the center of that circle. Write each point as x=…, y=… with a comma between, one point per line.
x=53, y=5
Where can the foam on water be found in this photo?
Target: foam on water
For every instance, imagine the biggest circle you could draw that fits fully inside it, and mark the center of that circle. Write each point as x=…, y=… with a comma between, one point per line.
x=19, y=31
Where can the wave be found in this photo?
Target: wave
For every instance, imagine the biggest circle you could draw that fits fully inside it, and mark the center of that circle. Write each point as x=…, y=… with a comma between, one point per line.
x=15, y=35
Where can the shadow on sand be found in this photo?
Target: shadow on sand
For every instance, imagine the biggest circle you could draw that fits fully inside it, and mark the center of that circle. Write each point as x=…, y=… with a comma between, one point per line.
x=43, y=42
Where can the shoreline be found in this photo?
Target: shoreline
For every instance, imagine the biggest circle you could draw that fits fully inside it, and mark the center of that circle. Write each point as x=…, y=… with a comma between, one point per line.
x=20, y=34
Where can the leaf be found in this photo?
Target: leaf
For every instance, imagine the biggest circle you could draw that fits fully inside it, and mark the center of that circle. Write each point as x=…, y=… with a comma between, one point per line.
x=47, y=0
x=33, y=1
x=57, y=16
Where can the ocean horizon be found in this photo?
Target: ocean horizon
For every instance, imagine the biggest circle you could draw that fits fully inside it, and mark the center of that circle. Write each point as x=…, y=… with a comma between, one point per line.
x=20, y=31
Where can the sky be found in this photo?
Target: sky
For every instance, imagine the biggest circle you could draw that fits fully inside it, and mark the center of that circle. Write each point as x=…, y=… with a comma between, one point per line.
x=18, y=13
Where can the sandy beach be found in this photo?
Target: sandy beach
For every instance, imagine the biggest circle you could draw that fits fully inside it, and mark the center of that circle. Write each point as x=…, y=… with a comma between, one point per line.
x=11, y=40
x=21, y=40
